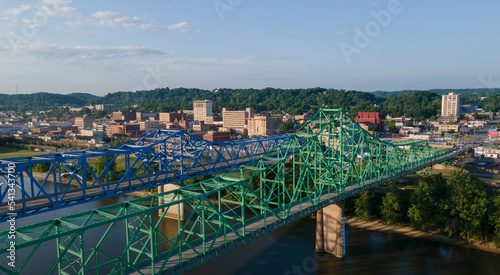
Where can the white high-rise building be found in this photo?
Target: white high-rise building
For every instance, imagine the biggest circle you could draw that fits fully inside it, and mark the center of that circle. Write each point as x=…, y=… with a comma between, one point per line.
x=202, y=109
x=450, y=105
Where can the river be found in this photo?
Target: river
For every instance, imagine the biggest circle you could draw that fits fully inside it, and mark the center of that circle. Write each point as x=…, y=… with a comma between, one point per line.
x=290, y=250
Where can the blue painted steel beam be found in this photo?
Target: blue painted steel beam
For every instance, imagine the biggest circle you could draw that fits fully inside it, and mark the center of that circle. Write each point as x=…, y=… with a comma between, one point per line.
x=162, y=157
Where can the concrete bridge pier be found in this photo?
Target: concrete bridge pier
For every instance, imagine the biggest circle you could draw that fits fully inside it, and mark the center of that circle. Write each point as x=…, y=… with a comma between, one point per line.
x=330, y=230
x=175, y=212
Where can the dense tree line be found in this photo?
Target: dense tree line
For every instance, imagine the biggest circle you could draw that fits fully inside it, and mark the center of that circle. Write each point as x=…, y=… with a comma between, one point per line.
x=43, y=101
x=461, y=206
x=417, y=104
x=294, y=101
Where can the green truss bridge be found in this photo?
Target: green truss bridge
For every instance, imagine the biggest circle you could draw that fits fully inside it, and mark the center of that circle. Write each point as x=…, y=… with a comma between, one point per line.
x=329, y=159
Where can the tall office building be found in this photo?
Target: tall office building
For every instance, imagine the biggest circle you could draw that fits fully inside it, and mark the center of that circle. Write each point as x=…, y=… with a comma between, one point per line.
x=236, y=120
x=84, y=122
x=450, y=105
x=202, y=109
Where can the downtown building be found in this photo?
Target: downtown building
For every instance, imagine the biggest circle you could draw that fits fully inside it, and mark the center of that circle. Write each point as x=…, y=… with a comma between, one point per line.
x=203, y=110
x=450, y=105
x=236, y=121
x=264, y=125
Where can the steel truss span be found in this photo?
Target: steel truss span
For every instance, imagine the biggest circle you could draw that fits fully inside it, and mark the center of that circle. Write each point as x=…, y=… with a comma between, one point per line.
x=162, y=157
x=329, y=159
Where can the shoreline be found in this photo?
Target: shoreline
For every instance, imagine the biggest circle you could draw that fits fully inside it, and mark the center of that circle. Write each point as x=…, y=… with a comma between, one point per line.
x=410, y=232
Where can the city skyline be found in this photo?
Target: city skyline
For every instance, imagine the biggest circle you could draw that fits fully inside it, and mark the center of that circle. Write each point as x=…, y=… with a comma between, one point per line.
x=97, y=47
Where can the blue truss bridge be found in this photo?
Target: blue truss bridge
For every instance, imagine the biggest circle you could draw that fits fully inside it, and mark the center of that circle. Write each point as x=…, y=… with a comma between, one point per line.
x=162, y=157
x=269, y=183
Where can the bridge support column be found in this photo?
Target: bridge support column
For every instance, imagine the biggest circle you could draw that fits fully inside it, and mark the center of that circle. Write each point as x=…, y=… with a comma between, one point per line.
x=330, y=230
x=179, y=211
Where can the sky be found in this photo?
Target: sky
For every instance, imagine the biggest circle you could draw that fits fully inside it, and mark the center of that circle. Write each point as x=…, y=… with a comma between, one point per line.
x=100, y=47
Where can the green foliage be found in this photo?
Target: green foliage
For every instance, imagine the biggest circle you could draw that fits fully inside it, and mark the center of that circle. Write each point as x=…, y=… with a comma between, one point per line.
x=100, y=165
x=42, y=101
x=285, y=127
x=7, y=140
x=425, y=201
x=294, y=101
x=461, y=206
x=467, y=207
x=495, y=219
x=419, y=105
x=416, y=104
x=491, y=103
x=117, y=142
x=391, y=208
x=365, y=206
x=42, y=167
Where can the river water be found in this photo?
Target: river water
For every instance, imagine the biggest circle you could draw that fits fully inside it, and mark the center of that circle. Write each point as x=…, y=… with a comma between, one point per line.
x=290, y=250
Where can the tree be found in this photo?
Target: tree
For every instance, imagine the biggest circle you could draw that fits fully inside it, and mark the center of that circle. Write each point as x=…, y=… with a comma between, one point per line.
x=426, y=199
x=100, y=165
x=466, y=206
x=286, y=126
x=495, y=220
x=42, y=167
x=365, y=207
x=391, y=208
x=409, y=123
x=117, y=142
x=59, y=114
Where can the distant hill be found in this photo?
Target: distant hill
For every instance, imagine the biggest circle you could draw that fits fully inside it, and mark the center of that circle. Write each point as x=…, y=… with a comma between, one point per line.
x=478, y=91
x=42, y=101
x=294, y=101
x=418, y=104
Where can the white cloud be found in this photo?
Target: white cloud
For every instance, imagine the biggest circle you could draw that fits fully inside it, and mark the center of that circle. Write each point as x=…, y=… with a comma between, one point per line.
x=182, y=27
x=343, y=32
x=48, y=51
x=17, y=11
x=109, y=19
x=55, y=8
x=239, y=61
x=214, y=62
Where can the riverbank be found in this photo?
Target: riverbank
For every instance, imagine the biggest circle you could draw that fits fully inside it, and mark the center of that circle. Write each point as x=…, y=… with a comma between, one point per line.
x=410, y=232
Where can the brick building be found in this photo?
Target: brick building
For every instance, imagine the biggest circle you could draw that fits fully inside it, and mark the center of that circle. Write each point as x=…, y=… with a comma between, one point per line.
x=217, y=137
x=373, y=118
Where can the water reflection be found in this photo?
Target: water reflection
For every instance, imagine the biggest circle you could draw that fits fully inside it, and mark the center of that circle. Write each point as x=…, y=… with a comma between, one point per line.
x=290, y=250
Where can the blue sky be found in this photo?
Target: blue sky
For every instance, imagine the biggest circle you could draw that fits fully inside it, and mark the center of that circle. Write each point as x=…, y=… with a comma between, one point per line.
x=99, y=47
